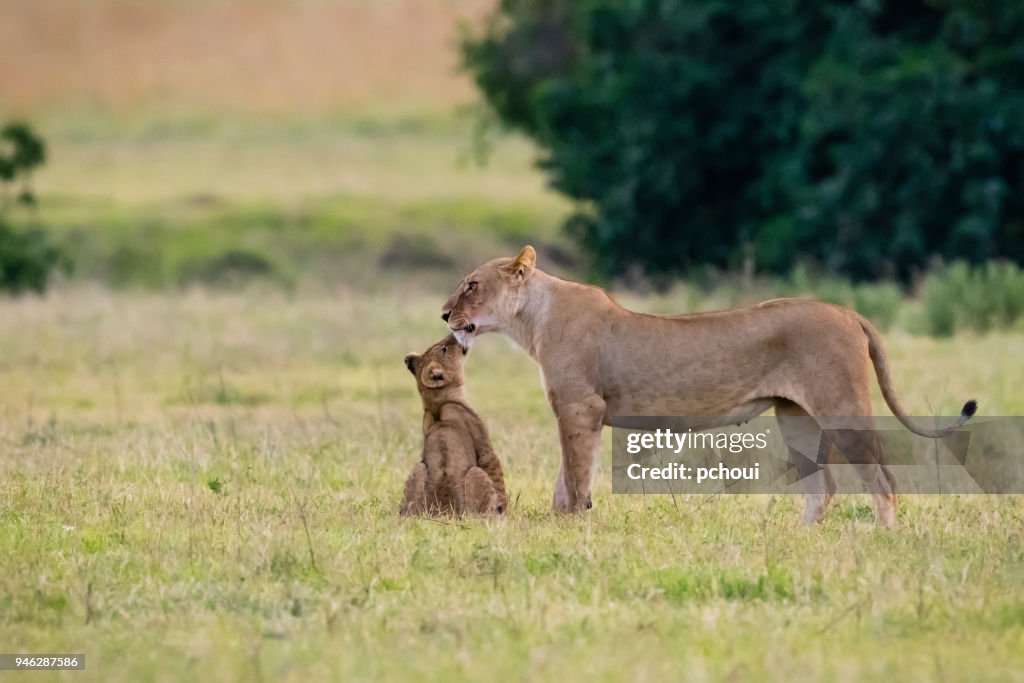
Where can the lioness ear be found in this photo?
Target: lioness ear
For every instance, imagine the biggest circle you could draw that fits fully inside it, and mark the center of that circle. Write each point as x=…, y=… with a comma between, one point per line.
x=522, y=266
x=410, y=362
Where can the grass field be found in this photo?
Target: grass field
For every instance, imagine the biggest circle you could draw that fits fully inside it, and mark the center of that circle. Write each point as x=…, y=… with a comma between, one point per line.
x=276, y=58
x=295, y=142
x=205, y=487
x=328, y=206
x=205, y=428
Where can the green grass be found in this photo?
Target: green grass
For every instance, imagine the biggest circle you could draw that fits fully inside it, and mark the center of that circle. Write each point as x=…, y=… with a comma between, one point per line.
x=205, y=487
x=204, y=434
x=327, y=203
x=350, y=240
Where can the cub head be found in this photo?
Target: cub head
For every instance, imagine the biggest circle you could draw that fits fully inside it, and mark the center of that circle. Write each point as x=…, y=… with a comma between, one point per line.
x=486, y=299
x=439, y=366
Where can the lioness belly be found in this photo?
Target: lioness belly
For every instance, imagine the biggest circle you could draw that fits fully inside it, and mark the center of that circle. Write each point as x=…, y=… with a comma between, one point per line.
x=726, y=366
x=701, y=415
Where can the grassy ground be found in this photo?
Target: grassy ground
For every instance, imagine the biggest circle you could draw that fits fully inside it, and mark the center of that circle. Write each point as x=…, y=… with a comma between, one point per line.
x=328, y=202
x=201, y=483
x=205, y=487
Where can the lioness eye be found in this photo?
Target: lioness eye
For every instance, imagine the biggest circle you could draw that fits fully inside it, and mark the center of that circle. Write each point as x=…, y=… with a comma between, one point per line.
x=471, y=286
x=444, y=350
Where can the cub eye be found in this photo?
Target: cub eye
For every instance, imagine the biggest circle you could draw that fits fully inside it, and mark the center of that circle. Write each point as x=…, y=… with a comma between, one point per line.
x=444, y=350
x=470, y=287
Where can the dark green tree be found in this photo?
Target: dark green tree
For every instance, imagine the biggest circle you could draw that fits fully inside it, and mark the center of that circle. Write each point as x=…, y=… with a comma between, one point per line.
x=27, y=257
x=866, y=136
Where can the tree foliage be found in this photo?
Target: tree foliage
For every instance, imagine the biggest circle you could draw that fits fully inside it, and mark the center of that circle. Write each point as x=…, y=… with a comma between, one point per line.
x=863, y=135
x=27, y=257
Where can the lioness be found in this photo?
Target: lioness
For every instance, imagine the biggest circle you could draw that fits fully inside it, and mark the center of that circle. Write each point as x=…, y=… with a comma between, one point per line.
x=599, y=361
x=459, y=472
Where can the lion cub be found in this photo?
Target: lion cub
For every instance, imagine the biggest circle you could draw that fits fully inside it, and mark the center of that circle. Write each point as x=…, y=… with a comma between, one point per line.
x=459, y=472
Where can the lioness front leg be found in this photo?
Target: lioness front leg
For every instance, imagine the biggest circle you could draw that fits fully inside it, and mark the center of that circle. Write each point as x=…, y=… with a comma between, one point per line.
x=579, y=427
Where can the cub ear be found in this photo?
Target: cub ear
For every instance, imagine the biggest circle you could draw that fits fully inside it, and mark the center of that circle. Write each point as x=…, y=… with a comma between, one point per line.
x=410, y=362
x=523, y=264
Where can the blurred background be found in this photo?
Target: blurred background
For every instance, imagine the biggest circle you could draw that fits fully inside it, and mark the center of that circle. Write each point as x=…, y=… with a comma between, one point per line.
x=317, y=144
x=866, y=154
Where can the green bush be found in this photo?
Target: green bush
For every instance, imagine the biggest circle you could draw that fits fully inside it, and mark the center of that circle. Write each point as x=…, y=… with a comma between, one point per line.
x=864, y=136
x=27, y=257
x=979, y=298
x=231, y=268
x=880, y=303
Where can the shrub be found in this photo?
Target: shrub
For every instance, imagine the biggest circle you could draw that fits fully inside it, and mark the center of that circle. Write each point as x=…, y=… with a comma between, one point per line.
x=865, y=136
x=230, y=268
x=27, y=257
x=21, y=151
x=975, y=298
x=880, y=303
x=408, y=251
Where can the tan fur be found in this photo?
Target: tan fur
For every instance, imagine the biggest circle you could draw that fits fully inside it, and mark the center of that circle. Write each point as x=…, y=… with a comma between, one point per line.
x=458, y=472
x=600, y=361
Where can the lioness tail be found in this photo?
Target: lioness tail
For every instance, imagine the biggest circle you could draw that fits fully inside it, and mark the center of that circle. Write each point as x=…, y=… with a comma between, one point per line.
x=878, y=359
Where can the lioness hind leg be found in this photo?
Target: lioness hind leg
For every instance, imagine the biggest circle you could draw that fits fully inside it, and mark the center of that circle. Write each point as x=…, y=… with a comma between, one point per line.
x=480, y=496
x=862, y=448
x=414, y=501
x=807, y=450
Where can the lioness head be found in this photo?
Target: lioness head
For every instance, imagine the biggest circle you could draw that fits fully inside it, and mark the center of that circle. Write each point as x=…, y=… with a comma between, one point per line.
x=486, y=299
x=439, y=366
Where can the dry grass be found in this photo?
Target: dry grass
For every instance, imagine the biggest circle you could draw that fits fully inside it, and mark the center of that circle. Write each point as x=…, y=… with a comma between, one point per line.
x=281, y=58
